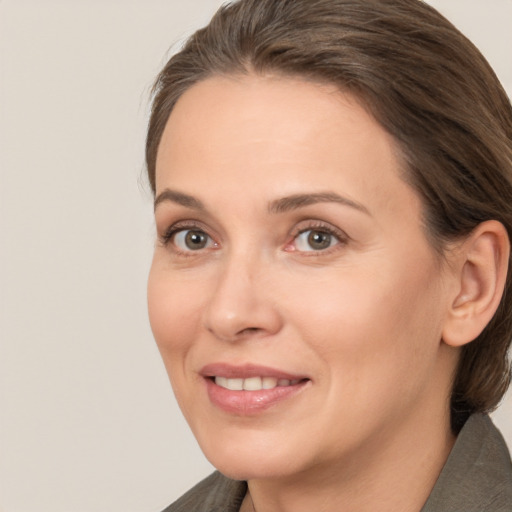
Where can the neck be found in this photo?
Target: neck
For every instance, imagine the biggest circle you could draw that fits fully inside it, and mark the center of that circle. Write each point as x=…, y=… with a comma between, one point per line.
x=394, y=474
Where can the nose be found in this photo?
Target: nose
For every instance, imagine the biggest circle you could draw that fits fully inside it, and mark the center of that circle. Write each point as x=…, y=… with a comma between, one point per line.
x=241, y=304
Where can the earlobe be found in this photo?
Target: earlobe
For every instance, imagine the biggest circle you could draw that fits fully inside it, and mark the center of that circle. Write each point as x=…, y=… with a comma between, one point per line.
x=480, y=275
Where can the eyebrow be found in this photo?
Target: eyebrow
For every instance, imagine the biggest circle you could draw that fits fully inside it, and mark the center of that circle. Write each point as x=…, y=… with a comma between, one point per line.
x=179, y=198
x=297, y=201
x=281, y=205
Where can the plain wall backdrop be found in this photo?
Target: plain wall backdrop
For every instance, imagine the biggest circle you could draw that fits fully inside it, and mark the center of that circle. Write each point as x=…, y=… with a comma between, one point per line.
x=88, y=422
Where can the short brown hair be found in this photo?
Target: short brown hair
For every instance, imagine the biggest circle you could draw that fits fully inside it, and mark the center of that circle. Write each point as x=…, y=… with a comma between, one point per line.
x=423, y=81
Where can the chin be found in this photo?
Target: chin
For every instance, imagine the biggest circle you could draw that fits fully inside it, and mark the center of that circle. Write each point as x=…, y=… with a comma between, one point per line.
x=242, y=470
x=248, y=461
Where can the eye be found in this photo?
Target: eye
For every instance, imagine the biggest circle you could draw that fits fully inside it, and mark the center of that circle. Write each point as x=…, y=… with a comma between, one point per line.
x=192, y=240
x=315, y=240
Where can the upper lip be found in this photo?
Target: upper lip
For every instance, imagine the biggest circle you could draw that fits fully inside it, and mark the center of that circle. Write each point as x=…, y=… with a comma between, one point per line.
x=246, y=371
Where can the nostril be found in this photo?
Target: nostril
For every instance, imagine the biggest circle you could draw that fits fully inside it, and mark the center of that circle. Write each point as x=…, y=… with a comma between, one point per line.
x=249, y=330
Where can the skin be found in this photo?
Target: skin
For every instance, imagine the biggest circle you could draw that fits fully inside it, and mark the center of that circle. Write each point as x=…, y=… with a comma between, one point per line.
x=362, y=319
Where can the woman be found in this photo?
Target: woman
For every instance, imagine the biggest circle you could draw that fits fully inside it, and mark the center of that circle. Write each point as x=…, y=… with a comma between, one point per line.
x=329, y=290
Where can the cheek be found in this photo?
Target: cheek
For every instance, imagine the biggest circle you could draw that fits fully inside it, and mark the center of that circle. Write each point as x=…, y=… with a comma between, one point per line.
x=174, y=318
x=173, y=311
x=372, y=316
x=378, y=342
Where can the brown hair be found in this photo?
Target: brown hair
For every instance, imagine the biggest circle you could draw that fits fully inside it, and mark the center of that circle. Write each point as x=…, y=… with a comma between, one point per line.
x=423, y=81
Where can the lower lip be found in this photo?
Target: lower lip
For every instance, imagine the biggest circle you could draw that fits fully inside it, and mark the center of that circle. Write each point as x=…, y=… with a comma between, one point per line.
x=246, y=403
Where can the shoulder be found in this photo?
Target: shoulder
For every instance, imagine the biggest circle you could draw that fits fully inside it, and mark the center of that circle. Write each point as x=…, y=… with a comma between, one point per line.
x=477, y=476
x=215, y=493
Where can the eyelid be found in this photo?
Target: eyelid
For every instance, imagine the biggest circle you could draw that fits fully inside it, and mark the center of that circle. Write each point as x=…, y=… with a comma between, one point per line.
x=167, y=235
x=181, y=225
x=312, y=225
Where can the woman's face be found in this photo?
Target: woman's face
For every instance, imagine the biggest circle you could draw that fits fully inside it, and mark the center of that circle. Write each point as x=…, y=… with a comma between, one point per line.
x=295, y=300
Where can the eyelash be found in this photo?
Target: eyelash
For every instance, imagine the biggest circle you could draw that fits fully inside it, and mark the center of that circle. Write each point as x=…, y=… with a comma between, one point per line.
x=321, y=227
x=341, y=237
x=175, y=228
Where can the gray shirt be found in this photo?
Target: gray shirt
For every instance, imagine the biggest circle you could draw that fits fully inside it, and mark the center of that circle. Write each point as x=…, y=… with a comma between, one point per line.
x=477, y=477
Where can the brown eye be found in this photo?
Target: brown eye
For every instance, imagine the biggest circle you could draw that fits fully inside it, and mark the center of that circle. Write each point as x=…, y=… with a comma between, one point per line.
x=319, y=240
x=192, y=240
x=315, y=240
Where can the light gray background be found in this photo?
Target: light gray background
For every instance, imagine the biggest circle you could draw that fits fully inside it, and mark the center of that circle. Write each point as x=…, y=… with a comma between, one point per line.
x=88, y=423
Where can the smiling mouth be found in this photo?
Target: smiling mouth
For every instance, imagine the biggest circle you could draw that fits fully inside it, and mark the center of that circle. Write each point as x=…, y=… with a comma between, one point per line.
x=249, y=396
x=249, y=389
x=254, y=383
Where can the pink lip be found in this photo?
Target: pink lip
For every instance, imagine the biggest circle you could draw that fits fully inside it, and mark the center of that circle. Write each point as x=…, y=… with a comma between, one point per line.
x=249, y=403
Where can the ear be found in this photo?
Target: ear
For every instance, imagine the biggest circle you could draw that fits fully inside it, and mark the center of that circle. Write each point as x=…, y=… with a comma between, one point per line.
x=480, y=274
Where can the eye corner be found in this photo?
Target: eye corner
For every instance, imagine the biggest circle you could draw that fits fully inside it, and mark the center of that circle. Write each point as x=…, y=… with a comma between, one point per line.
x=289, y=247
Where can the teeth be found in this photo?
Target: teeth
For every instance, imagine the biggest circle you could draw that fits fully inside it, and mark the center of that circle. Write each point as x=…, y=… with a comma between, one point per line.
x=232, y=384
x=268, y=382
x=253, y=383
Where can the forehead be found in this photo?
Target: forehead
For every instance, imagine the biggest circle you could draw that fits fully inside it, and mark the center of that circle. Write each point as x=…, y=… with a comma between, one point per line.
x=287, y=133
x=261, y=108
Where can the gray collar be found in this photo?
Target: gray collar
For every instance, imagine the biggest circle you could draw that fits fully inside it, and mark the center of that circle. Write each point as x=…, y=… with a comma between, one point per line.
x=477, y=476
